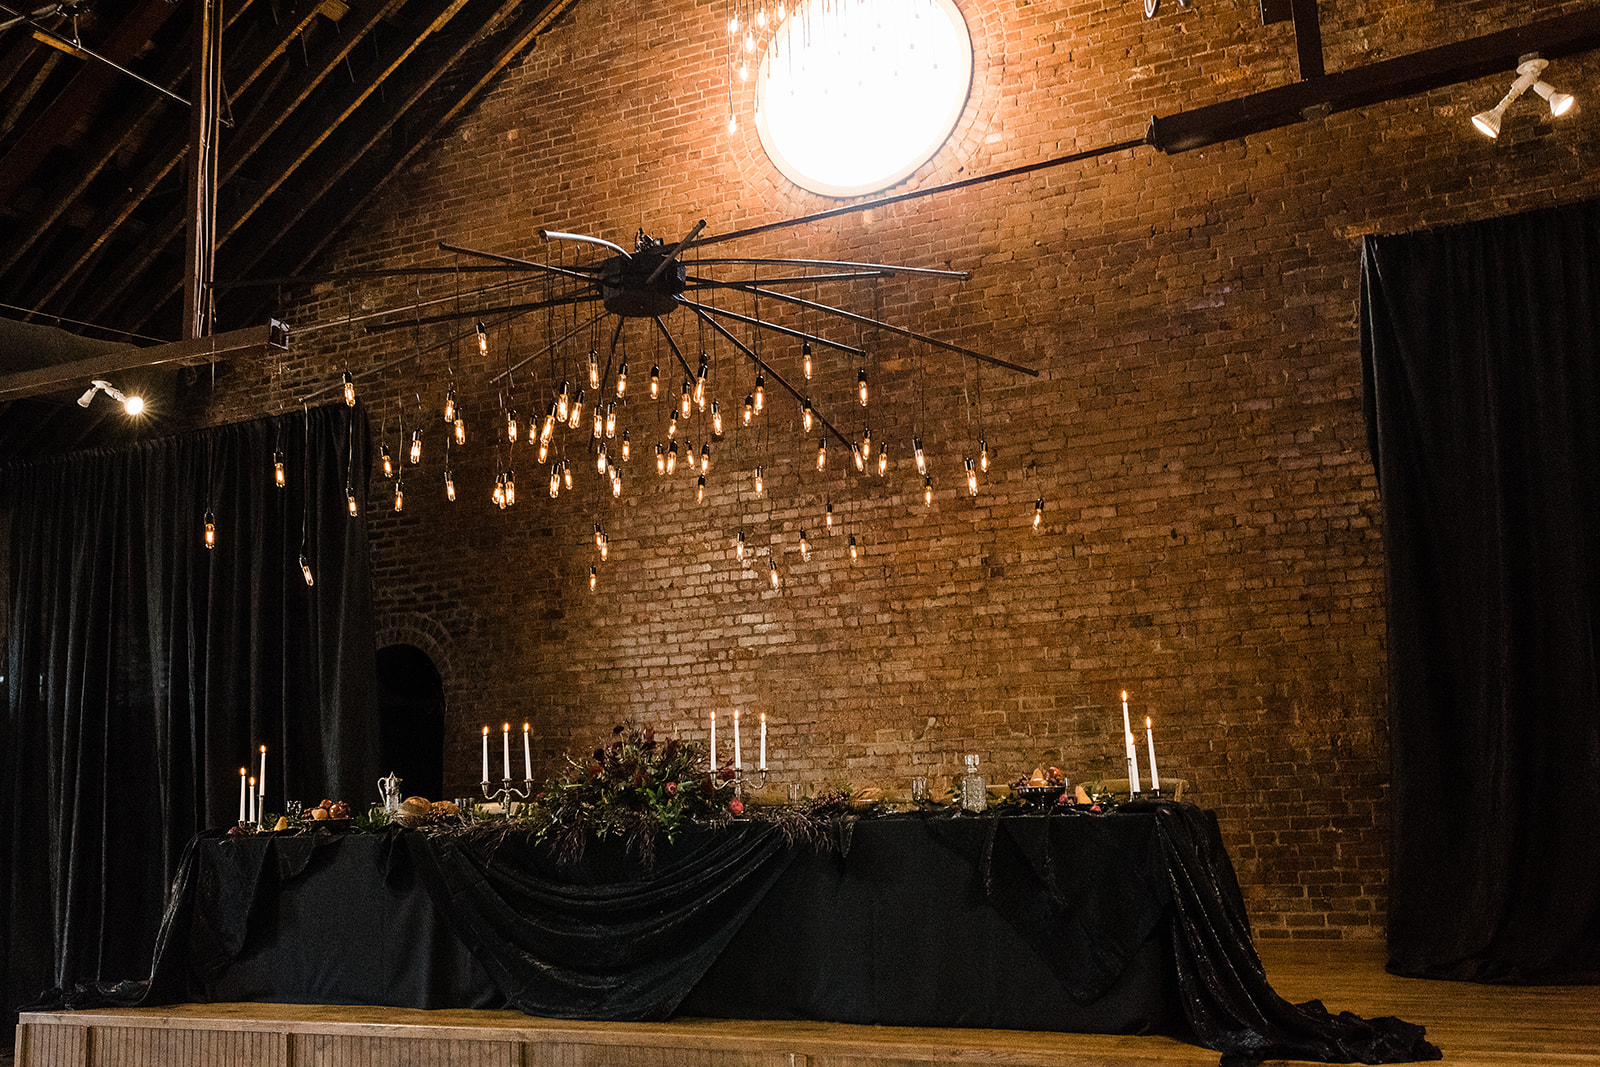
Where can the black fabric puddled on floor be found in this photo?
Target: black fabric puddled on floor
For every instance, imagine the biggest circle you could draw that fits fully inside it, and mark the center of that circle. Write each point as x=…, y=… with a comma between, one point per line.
x=1127, y=923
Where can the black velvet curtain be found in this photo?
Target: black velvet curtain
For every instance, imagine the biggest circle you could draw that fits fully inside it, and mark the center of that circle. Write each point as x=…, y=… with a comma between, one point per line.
x=1481, y=353
x=144, y=669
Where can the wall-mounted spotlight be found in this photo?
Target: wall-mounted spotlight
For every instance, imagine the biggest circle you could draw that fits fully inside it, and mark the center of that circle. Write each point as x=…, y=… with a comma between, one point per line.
x=1528, y=71
x=133, y=405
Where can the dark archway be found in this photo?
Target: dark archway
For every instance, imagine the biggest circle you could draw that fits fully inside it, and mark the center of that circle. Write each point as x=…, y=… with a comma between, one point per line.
x=411, y=718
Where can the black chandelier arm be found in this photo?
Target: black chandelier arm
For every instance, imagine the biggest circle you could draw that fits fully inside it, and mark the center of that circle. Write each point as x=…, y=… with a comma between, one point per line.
x=527, y=264
x=767, y=368
x=672, y=255
x=673, y=345
x=697, y=282
x=590, y=321
x=774, y=327
x=832, y=264
x=880, y=324
x=479, y=313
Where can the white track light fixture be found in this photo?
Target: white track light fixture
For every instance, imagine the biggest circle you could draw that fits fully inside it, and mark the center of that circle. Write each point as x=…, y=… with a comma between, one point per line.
x=1528, y=71
x=133, y=405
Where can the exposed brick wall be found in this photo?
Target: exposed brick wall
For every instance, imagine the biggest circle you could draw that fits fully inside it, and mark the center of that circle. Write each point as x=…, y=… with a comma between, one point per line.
x=1212, y=539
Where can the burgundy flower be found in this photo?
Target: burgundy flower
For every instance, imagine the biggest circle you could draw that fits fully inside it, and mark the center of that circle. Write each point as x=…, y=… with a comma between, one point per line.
x=736, y=806
x=727, y=774
x=672, y=789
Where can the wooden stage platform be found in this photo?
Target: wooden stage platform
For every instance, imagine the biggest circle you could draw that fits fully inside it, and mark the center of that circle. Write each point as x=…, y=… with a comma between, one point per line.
x=1476, y=1026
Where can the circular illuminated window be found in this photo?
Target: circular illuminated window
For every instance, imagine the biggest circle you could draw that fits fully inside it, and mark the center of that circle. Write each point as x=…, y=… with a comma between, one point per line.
x=853, y=97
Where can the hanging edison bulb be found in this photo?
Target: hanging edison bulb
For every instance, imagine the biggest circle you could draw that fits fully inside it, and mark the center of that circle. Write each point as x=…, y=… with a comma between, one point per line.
x=672, y=457
x=627, y=446
x=772, y=573
x=806, y=414
x=866, y=443
x=461, y=428
x=555, y=480
x=672, y=424
x=688, y=456
x=544, y=451
x=399, y=497
x=450, y=405
x=594, y=578
x=416, y=447
x=566, y=474
x=1038, y=513
x=700, y=490
x=738, y=545
x=972, y=478
x=349, y=390
x=211, y=529
x=688, y=398
x=511, y=488
x=883, y=462
x=705, y=457
x=611, y=420
x=563, y=402
x=716, y=419
x=449, y=485
x=575, y=417
x=277, y=468
x=594, y=369
x=761, y=392
x=922, y=461
x=511, y=426
x=600, y=459
x=822, y=453
x=827, y=517
x=700, y=383
x=805, y=548
x=598, y=535
x=622, y=379
x=305, y=570
x=661, y=459
x=599, y=422
x=749, y=408
x=655, y=380
x=805, y=357
x=983, y=455
x=616, y=481
x=761, y=486
x=483, y=339
x=350, y=500
x=927, y=489
x=861, y=386
x=605, y=547
x=388, y=462
x=854, y=552
x=548, y=430
x=499, y=494
x=857, y=457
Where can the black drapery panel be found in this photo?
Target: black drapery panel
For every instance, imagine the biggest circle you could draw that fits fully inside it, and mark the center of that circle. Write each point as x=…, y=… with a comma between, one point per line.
x=144, y=667
x=1481, y=354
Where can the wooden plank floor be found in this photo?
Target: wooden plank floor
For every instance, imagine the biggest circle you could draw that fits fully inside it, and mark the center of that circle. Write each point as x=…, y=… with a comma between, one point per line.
x=1477, y=1026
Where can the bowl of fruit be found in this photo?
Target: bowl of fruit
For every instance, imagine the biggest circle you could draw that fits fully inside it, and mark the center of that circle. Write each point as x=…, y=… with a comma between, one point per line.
x=328, y=815
x=1043, y=788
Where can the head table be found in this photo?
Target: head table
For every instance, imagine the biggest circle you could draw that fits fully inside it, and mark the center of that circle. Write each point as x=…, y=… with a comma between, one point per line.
x=1130, y=922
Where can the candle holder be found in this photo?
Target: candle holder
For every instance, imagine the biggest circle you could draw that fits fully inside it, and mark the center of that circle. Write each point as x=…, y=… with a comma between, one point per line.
x=741, y=782
x=507, y=792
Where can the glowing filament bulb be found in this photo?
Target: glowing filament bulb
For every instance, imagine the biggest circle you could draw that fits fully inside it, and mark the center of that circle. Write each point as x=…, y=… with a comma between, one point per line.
x=548, y=430
x=738, y=545
x=611, y=420
x=688, y=398
x=544, y=451
x=716, y=418
x=622, y=378
x=983, y=455
x=211, y=529
x=563, y=403
x=672, y=457
x=277, y=469
x=499, y=494
x=449, y=485
x=305, y=570
x=661, y=460
x=594, y=369
x=605, y=547
x=688, y=456
x=700, y=490
x=733, y=26
x=399, y=497
x=854, y=552
x=566, y=475
x=555, y=480
x=761, y=486
x=627, y=446
x=761, y=392
x=616, y=483
x=805, y=547
x=749, y=408
x=927, y=489
x=388, y=463
x=450, y=406
x=350, y=500
x=772, y=573
x=483, y=339
x=349, y=390
x=511, y=488
x=511, y=426
x=705, y=457
x=416, y=446
x=599, y=423
x=972, y=478
x=598, y=535
x=655, y=381
x=672, y=425
x=922, y=462
x=806, y=414
x=883, y=462
x=761, y=18
x=805, y=357
x=461, y=429
x=861, y=386
x=822, y=453
x=576, y=416
x=600, y=460
x=594, y=578
x=856, y=455
x=827, y=519
x=1038, y=512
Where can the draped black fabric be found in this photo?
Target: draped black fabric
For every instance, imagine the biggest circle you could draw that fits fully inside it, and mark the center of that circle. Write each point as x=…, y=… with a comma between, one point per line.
x=1481, y=354
x=144, y=668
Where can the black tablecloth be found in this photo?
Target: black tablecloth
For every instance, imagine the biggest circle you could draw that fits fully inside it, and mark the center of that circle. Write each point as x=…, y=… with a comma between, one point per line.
x=1123, y=923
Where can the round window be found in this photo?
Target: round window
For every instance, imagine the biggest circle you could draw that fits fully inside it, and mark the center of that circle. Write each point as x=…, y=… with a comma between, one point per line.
x=853, y=97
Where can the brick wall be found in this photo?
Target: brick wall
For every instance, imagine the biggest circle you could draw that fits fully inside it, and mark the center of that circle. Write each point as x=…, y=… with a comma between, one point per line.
x=1212, y=537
